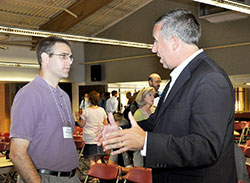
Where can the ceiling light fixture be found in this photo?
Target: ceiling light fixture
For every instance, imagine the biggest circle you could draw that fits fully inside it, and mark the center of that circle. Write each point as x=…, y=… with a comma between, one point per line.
x=39, y=33
x=16, y=64
x=228, y=4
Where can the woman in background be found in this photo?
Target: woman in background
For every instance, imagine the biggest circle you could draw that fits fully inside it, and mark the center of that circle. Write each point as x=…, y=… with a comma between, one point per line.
x=145, y=99
x=90, y=119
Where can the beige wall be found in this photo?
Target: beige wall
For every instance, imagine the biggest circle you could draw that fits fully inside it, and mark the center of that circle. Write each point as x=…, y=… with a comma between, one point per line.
x=18, y=74
x=5, y=99
x=138, y=27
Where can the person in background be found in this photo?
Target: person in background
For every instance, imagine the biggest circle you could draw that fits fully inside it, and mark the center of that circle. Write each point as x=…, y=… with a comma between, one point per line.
x=112, y=103
x=145, y=99
x=42, y=147
x=154, y=80
x=104, y=98
x=130, y=98
x=189, y=138
x=90, y=119
x=134, y=106
x=120, y=107
x=127, y=108
x=85, y=102
x=123, y=160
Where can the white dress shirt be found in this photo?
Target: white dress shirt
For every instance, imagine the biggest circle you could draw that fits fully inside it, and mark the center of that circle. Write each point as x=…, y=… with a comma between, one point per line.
x=111, y=105
x=174, y=75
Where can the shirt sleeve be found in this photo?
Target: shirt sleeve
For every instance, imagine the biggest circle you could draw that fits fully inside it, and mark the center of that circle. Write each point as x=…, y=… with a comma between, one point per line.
x=84, y=114
x=144, y=150
x=24, y=115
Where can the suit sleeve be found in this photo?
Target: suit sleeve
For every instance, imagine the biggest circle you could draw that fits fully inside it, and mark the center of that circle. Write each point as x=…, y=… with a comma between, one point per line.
x=210, y=127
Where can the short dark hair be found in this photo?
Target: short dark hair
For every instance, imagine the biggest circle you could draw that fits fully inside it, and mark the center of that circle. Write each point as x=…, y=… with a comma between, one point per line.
x=45, y=45
x=114, y=92
x=107, y=94
x=150, y=79
x=94, y=98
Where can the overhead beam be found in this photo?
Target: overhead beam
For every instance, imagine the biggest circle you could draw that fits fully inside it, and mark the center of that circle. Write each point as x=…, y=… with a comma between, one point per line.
x=82, y=8
x=41, y=34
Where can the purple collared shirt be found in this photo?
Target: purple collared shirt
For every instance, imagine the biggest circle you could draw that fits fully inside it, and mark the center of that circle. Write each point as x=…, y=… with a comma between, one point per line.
x=35, y=117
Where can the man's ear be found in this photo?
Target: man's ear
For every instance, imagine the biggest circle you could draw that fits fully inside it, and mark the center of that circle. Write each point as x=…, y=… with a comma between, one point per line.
x=45, y=58
x=175, y=42
x=150, y=82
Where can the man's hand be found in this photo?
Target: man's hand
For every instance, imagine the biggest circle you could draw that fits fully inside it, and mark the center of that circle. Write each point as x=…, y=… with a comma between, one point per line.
x=104, y=130
x=124, y=140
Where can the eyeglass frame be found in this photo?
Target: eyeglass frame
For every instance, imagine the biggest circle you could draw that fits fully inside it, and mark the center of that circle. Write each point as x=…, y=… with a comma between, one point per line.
x=64, y=56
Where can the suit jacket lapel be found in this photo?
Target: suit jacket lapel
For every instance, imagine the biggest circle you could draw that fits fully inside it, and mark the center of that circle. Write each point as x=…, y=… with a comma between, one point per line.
x=181, y=80
x=184, y=76
x=163, y=95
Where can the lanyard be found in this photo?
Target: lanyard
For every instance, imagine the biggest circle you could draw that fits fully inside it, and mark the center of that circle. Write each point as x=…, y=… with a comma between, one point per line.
x=57, y=104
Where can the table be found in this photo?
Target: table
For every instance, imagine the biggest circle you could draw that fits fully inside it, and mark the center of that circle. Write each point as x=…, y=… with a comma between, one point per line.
x=7, y=167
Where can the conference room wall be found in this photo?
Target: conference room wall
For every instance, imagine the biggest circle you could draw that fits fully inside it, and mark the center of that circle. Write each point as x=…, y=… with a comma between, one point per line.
x=138, y=27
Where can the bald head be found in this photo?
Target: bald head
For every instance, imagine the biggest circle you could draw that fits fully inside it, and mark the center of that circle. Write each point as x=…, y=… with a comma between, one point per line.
x=154, y=80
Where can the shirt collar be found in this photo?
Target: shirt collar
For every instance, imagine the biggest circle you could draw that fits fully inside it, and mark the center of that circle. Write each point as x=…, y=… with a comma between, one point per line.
x=177, y=71
x=44, y=83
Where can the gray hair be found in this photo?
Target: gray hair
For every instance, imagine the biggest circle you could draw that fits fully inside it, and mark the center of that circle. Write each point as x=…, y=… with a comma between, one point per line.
x=182, y=24
x=142, y=94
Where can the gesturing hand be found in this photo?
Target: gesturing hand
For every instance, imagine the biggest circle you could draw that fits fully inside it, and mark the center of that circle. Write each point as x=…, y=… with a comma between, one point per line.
x=123, y=140
x=104, y=130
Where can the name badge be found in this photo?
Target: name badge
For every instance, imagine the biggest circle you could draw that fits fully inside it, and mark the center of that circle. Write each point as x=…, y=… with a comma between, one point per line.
x=67, y=132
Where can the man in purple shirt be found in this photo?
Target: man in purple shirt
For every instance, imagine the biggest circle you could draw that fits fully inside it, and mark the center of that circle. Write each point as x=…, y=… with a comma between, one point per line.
x=42, y=147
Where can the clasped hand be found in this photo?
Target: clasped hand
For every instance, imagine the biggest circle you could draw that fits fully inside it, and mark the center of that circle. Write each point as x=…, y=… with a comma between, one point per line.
x=111, y=137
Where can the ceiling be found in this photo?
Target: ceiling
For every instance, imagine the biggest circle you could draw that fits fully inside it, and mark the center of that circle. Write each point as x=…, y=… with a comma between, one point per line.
x=77, y=17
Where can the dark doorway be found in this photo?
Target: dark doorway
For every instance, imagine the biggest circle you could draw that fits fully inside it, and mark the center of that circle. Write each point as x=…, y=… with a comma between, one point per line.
x=89, y=88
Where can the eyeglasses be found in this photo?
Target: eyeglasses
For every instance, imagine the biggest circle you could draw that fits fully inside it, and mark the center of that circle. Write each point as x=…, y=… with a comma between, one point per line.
x=64, y=56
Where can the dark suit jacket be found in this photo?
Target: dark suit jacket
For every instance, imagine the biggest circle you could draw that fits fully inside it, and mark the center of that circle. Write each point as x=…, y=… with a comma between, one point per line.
x=190, y=136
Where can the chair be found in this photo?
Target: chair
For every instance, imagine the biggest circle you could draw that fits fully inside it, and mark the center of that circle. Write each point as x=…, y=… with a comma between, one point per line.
x=245, y=132
x=239, y=126
x=82, y=163
x=6, y=135
x=77, y=137
x=79, y=147
x=246, y=152
x=77, y=130
x=104, y=172
x=139, y=175
x=3, y=147
x=243, y=147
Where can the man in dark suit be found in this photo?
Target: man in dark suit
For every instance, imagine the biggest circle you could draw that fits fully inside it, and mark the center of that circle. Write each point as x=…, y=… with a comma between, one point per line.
x=189, y=139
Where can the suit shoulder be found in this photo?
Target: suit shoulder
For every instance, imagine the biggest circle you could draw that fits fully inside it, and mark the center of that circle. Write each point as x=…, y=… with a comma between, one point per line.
x=207, y=68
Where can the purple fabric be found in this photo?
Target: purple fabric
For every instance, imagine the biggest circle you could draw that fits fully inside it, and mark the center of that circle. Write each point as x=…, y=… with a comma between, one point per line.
x=35, y=117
